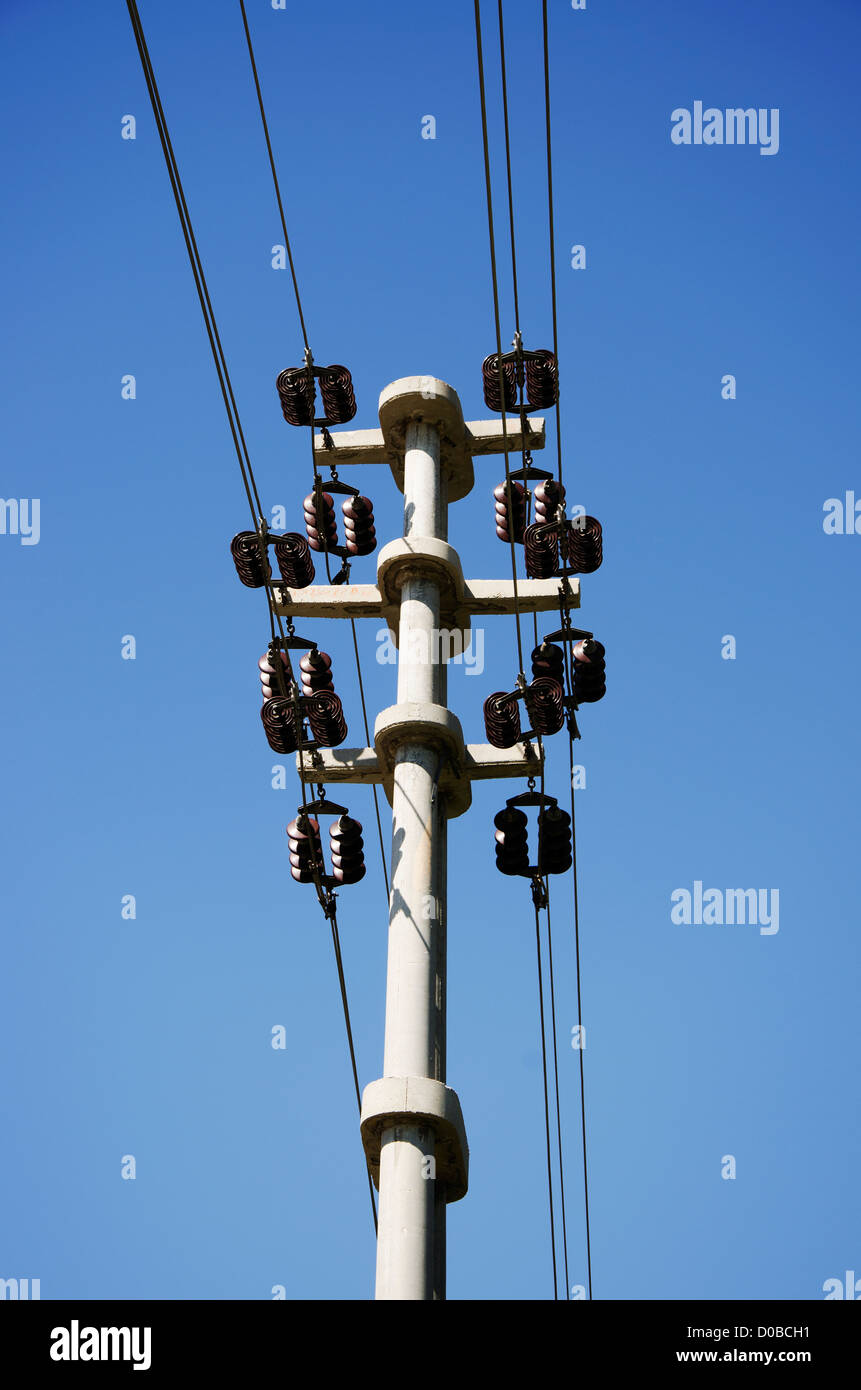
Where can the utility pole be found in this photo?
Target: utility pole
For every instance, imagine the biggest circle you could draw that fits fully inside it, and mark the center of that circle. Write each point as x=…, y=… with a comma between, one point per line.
x=411, y=1122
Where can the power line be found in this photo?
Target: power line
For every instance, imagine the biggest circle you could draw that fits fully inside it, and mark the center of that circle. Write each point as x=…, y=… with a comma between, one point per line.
x=327, y=901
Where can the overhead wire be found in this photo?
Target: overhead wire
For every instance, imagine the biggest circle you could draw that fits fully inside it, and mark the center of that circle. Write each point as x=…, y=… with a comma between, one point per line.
x=326, y=898
x=566, y=645
x=297, y=296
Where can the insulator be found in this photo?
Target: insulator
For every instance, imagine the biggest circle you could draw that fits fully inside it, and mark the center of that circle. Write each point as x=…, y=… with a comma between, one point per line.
x=269, y=676
x=321, y=526
x=490, y=376
x=326, y=717
x=545, y=702
x=542, y=379
x=360, y=536
x=502, y=719
x=248, y=557
x=303, y=838
x=554, y=840
x=518, y=511
x=549, y=660
x=541, y=553
x=315, y=672
x=512, y=851
x=279, y=721
x=585, y=545
x=296, y=390
x=548, y=495
x=294, y=560
x=347, y=847
x=336, y=390
x=589, y=671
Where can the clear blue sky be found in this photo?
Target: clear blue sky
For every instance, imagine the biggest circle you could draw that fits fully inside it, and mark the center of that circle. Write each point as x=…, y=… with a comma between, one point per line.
x=152, y=777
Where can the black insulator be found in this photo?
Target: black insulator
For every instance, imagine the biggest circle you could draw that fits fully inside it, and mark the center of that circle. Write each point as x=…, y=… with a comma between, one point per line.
x=294, y=560
x=279, y=721
x=303, y=838
x=547, y=496
x=545, y=702
x=269, y=678
x=502, y=719
x=554, y=840
x=360, y=536
x=542, y=379
x=347, y=847
x=320, y=524
x=512, y=852
x=249, y=557
x=518, y=511
x=549, y=660
x=585, y=545
x=315, y=672
x=296, y=390
x=336, y=390
x=541, y=553
x=326, y=717
x=490, y=376
x=589, y=672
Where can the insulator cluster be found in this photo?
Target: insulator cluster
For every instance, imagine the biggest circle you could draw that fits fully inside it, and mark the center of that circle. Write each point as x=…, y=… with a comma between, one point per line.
x=360, y=534
x=518, y=511
x=279, y=722
x=326, y=717
x=512, y=841
x=540, y=377
x=589, y=671
x=512, y=849
x=554, y=840
x=296, y=392
x=541, y=549
x=303, y=838
x=585, y=545
x=347, y=849
x=291, y=551
x=545, y=700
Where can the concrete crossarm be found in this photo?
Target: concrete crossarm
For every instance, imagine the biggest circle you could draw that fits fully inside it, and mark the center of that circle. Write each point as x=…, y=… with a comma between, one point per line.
x=481, y=598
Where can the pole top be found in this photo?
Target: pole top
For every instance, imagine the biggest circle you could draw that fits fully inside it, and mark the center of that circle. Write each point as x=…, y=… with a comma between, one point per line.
x=427, y=400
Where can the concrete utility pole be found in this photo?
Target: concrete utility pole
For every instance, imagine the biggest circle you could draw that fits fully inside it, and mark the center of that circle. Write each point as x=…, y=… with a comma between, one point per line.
x=412, y=1127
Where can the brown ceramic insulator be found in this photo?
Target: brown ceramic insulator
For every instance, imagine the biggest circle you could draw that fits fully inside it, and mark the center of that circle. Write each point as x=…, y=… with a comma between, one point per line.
x=585, y=545
x=518, y=511
x=545, y=702
x=549, y=660
x=541, y=553
x=295, y=561
x=547, y=496
x=512, y=849
x=248, y=557
x=326, y=717
x=490, y=379
x=279, y=723
x=269, y=676
x=306, y=850
x=315, y=672
x=360, y=535
x=502, y=719
x=347, y=850
x=296, y=391
x=554, y=840
x=542, y=379
x=336, y=391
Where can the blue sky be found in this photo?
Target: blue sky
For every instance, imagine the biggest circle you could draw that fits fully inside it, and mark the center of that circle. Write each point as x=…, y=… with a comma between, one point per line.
x=152, y=777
